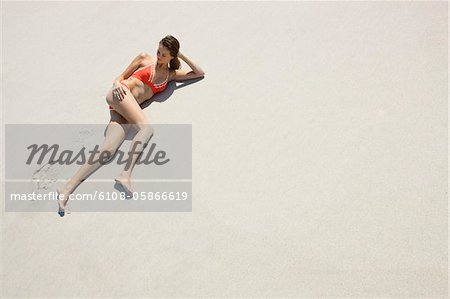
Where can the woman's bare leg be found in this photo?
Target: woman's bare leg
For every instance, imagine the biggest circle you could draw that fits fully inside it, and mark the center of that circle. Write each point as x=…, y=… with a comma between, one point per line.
x=132, y=112
x=115, y=135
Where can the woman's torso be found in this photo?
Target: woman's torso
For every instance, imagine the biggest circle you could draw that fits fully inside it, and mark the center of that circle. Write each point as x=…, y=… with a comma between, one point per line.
x=142, y=91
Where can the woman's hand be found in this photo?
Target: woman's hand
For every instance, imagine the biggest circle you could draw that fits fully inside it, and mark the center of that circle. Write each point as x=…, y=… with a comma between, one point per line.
x=118, y=91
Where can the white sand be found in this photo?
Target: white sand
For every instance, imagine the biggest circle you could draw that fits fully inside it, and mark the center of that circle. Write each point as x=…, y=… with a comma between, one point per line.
x=319, y=149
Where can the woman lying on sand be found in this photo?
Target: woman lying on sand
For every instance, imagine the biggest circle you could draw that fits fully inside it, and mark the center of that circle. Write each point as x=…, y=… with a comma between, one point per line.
x=144, y=77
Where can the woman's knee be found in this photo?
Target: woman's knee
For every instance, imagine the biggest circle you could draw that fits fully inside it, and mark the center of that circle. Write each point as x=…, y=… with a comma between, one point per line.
x=109, y=97
x=146, y=128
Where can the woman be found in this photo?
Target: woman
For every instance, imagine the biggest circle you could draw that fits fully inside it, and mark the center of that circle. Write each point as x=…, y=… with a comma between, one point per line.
x=143, y=78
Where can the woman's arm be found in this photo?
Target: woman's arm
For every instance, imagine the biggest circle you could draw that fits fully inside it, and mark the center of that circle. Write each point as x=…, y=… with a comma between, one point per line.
x=134, y=65
x=118, y=91
x=185, y=75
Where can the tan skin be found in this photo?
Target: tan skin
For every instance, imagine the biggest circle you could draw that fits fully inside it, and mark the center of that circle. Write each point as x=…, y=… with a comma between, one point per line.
x=141, y=91
x=127, y=111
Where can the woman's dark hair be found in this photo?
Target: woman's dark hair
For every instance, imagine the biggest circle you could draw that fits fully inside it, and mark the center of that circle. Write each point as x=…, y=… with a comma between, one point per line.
x=173, y=45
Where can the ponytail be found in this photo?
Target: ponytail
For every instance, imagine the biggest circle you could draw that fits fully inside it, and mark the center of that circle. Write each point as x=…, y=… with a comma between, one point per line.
x=174, y=63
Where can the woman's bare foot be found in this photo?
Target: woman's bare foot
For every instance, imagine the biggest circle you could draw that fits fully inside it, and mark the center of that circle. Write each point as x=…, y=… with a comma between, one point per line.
x=125, y=183
x=63, y=193
x=61, y=202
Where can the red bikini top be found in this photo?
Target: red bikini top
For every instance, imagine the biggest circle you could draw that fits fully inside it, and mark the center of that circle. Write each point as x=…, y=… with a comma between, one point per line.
x=146, y=74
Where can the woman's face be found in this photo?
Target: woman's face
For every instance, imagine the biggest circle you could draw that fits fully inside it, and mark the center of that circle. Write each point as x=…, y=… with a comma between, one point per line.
x=163, y=55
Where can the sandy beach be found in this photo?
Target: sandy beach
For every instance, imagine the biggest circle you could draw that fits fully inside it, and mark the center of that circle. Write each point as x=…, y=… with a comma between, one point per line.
x=319, y=150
